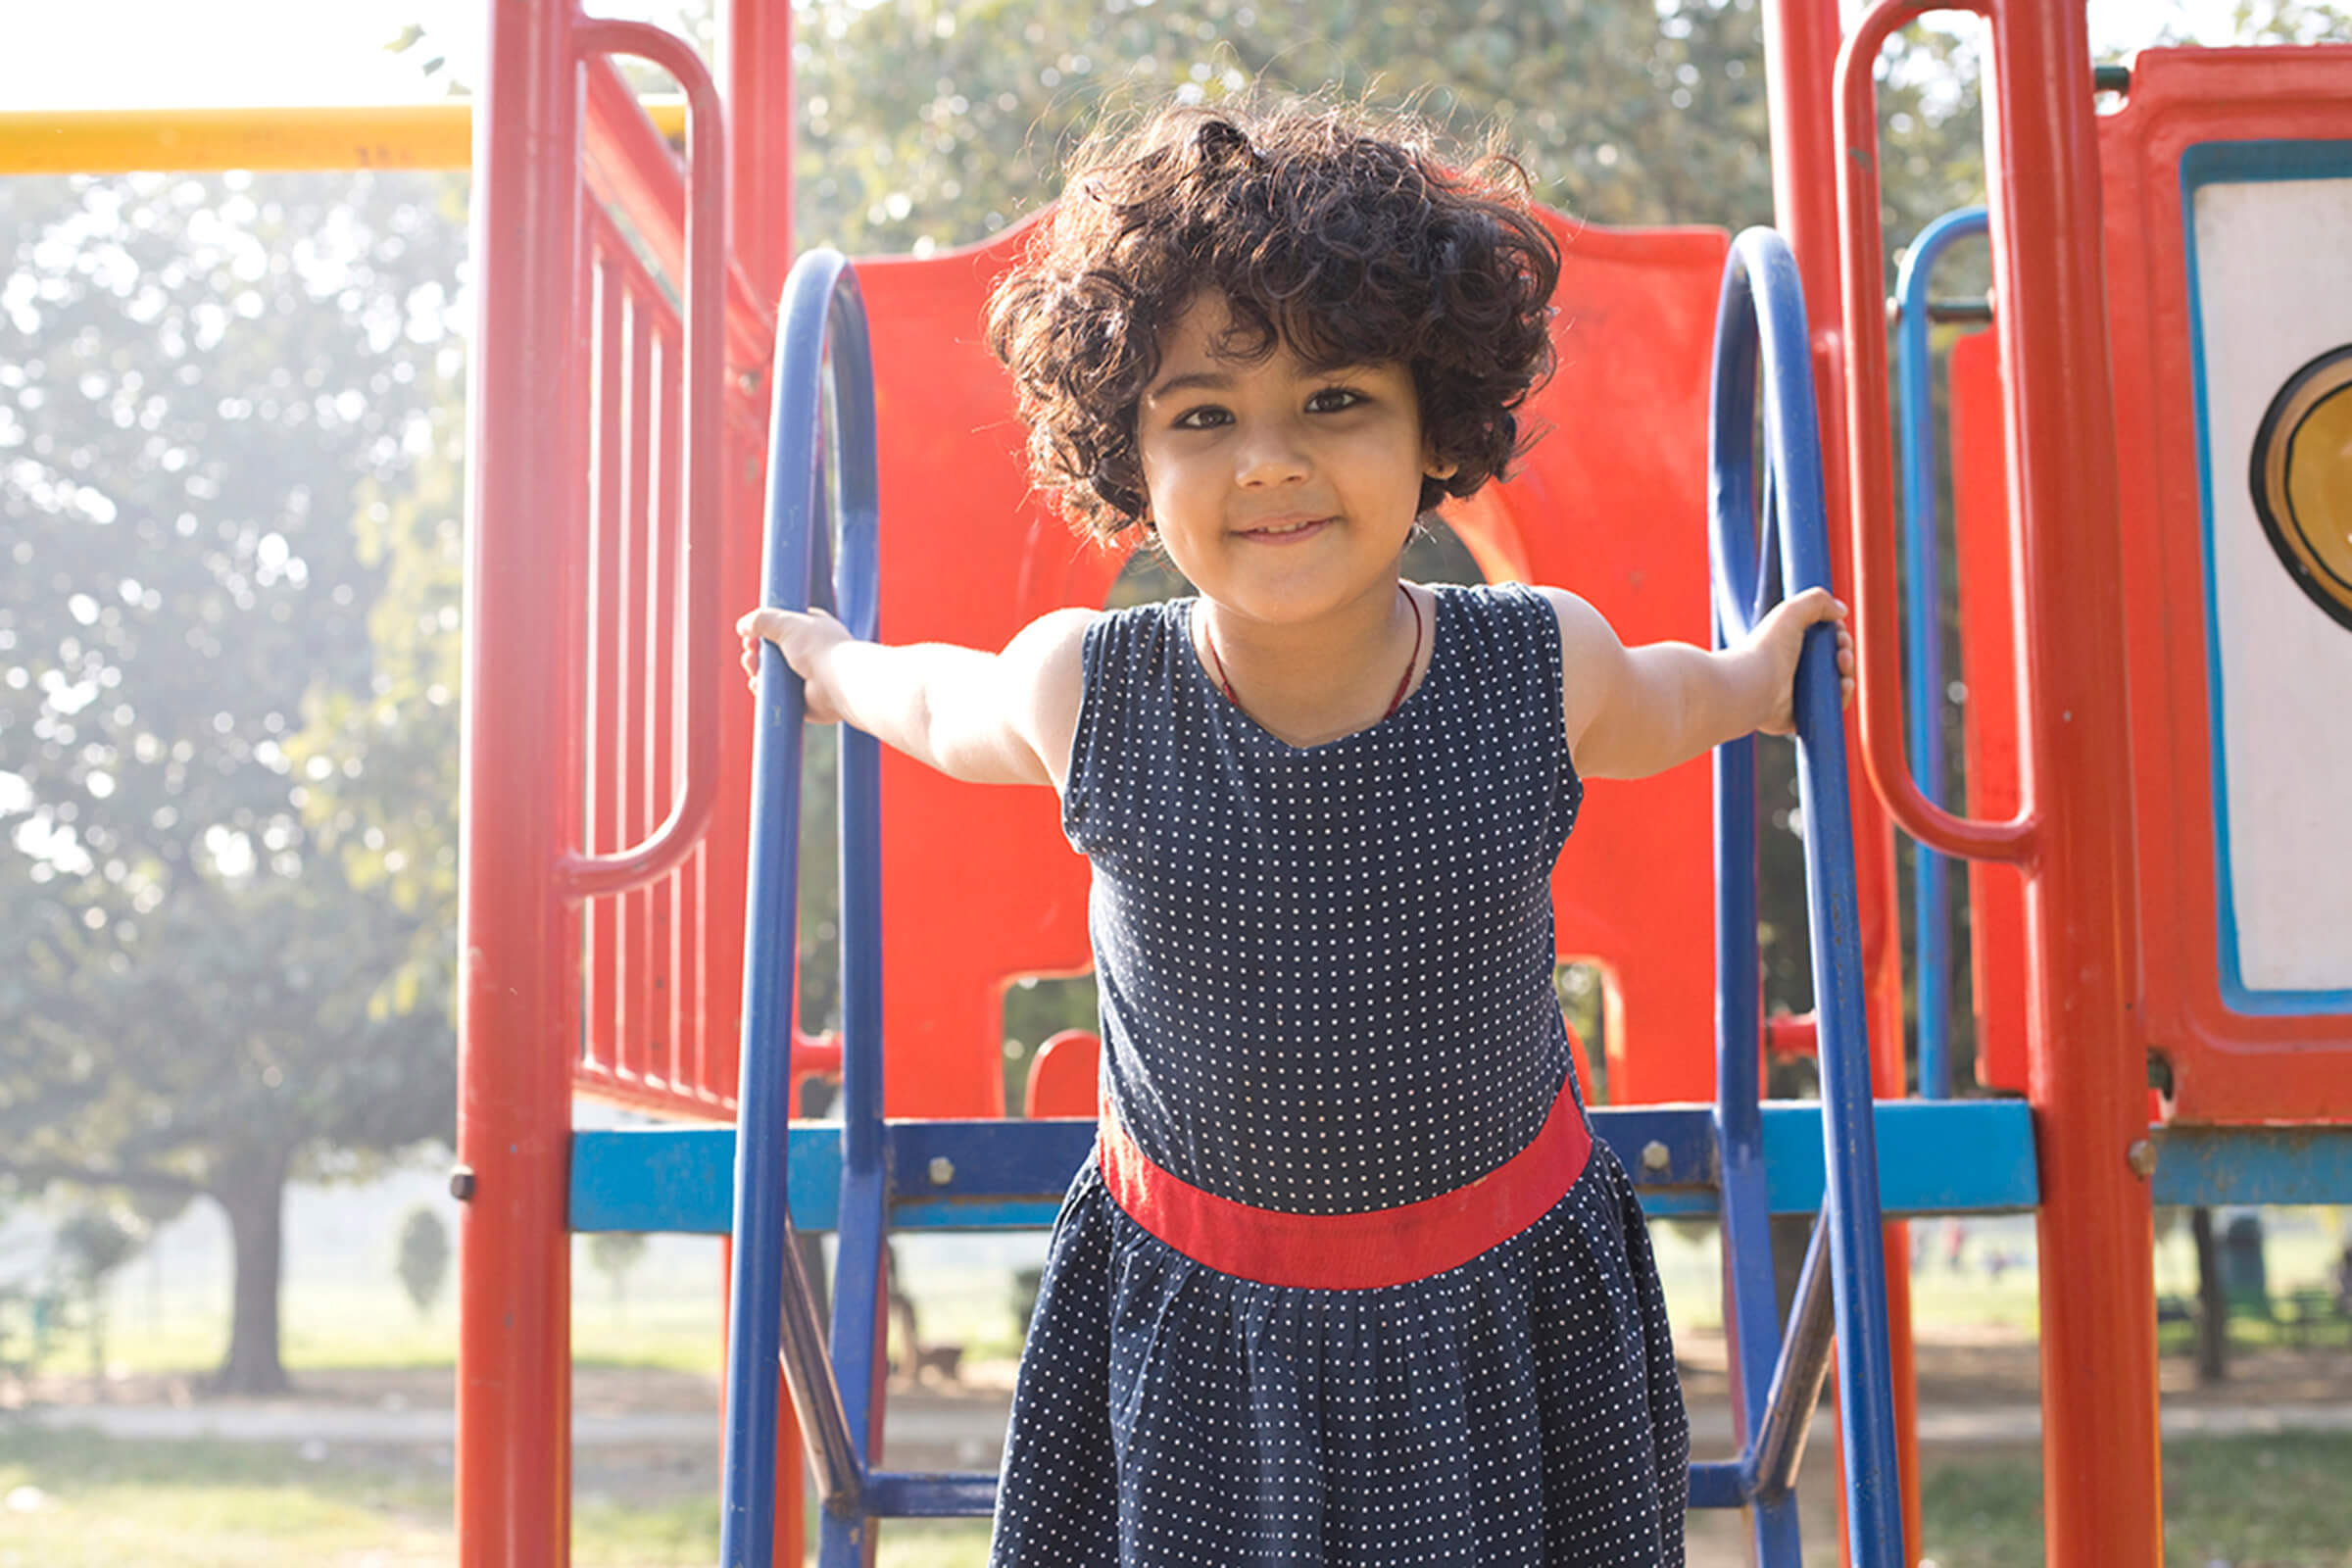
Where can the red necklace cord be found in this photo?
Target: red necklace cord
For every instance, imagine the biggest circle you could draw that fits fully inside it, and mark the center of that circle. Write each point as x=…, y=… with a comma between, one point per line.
x=1404, y=683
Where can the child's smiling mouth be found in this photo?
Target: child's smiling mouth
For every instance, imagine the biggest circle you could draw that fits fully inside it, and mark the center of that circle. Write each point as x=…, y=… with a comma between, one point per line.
x=1285, y=530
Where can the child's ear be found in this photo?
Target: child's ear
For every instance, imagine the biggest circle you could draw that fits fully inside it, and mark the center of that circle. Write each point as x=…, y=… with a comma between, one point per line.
x=1437, y=468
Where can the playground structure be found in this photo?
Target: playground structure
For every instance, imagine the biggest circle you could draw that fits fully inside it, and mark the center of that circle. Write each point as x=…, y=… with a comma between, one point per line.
x=2150, y=680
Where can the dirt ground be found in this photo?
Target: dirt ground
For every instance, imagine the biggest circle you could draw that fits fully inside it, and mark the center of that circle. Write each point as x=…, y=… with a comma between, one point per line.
x=940, y=1424
x=649, y=1439
x=1997, y=1367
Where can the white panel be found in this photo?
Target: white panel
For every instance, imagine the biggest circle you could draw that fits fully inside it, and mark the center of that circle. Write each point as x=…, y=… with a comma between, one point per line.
x=2273, y=265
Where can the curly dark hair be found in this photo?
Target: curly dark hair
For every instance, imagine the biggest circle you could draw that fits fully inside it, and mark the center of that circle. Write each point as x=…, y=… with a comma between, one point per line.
x=1348, y=242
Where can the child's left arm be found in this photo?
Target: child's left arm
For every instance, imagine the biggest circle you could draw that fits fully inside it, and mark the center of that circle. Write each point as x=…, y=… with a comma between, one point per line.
x=1635, y=712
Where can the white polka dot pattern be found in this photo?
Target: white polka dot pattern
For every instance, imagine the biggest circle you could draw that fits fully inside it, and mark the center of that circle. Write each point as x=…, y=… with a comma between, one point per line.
x=1326, y=989
x=1326, y=974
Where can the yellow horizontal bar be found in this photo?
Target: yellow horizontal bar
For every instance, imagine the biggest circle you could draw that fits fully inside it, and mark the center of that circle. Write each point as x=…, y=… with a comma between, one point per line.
x=117, y=141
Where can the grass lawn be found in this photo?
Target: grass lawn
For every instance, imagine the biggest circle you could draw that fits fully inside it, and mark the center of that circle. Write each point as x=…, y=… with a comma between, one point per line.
x=2247, y=1503
x=74, y=1500
x=69, y=1499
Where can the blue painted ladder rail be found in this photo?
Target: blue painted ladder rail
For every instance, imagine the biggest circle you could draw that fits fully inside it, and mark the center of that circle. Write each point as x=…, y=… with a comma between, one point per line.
x=822, y=467
x=772, y=1312
x=1923, y=629
x=1761, y=334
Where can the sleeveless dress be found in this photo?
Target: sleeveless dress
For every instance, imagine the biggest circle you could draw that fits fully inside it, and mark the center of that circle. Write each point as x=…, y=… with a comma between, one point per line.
x=1327, y=1008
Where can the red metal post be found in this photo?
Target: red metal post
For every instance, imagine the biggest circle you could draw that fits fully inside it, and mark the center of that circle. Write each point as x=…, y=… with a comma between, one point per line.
x=2100, y=1453
x=2101, y=1461
x=634, y=642
x=667, y=707
x=756, y=60
x=607, y=715
x=518, y=938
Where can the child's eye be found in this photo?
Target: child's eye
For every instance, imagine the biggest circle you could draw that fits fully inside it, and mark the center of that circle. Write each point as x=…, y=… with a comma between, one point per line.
x=1334, y=399
x=1204, y=417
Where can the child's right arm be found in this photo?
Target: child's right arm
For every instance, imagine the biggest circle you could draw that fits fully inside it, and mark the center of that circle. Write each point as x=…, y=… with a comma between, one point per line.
x=989, y=718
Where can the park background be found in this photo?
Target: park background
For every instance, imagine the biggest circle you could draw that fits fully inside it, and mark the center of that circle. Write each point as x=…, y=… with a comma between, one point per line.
x=231, y=434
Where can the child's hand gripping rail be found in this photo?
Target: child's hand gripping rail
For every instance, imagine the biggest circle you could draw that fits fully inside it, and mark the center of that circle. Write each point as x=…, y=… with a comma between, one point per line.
x=1761, y=324
x=773, y=1310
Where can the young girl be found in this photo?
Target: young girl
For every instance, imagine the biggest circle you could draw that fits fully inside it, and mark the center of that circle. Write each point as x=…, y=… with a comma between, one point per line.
x=1348, y=1280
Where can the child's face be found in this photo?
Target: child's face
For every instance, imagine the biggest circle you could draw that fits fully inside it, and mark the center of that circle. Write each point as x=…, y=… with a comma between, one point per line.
x=1281, y=491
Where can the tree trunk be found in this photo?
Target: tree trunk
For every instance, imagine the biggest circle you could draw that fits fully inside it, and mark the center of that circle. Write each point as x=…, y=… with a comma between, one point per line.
x=250, y=1187
x=2213, y=1303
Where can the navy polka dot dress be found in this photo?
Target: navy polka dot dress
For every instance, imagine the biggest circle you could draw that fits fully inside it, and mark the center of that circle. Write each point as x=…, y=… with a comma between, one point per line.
x=1327, y=1012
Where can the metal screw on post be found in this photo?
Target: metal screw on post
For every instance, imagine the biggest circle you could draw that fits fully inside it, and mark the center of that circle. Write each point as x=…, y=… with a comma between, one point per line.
x=2141, y=1158
x=1655, y=1156
x=461, y=1183
x=943, y=1171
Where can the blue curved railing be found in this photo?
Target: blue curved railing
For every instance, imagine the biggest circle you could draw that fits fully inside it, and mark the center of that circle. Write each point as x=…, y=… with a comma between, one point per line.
x=773, y=1312
x=1923, y=632
x=1761, y=327
x=823, y=386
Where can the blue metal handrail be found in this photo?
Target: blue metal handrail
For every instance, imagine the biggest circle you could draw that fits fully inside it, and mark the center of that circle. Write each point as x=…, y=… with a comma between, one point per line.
x=824, y=383
x=1923, y=632
x=1761, y=324
x=774, y=1314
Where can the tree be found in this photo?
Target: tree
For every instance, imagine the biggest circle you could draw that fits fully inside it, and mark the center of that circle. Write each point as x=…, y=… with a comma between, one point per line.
x=224, y=978
x=615, y=1254
x=422, y=1262
x=90, y=1245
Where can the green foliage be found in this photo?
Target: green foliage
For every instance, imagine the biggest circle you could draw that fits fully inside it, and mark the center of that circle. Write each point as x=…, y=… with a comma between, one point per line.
x=89, y=1245
x=615, y=1254
x=92, y=1242
x=931, y=122
x=228, y=969
x=423, y=1261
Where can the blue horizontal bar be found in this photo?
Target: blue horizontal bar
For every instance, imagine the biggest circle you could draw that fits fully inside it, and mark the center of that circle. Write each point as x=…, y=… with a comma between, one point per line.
x=895, y=1495
x=1935, y=1157
x=2253, y=1165
x=1717, y=1486
x=944, y=1495
x=907, y=1495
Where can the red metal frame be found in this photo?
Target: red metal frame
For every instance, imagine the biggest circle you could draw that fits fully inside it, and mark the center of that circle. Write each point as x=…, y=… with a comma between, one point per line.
x=603, y=796
x=2226, y=1065
x=518, y=935
x=603, y=828
x=644, y=1039
x=2099, y=1450
x=1988, y=592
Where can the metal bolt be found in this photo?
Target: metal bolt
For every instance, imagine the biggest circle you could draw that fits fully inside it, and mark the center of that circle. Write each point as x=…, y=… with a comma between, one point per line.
x=461, y=1183
x=943, y=1171
x=2141, y=1158
x=1655, y=1156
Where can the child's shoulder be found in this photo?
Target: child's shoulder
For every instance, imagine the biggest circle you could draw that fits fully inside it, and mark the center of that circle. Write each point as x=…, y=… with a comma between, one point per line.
x=1581, y=628
x=1550, y=615
x=1133, y=629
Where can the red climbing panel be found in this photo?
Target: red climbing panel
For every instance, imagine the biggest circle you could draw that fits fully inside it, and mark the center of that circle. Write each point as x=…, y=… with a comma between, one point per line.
x=980, y=888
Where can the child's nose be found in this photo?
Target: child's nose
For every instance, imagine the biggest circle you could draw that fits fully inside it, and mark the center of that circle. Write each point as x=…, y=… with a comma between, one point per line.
x=1271, y=454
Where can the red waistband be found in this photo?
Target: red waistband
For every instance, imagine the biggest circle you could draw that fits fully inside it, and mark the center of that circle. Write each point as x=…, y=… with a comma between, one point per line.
x=1351, y=1252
